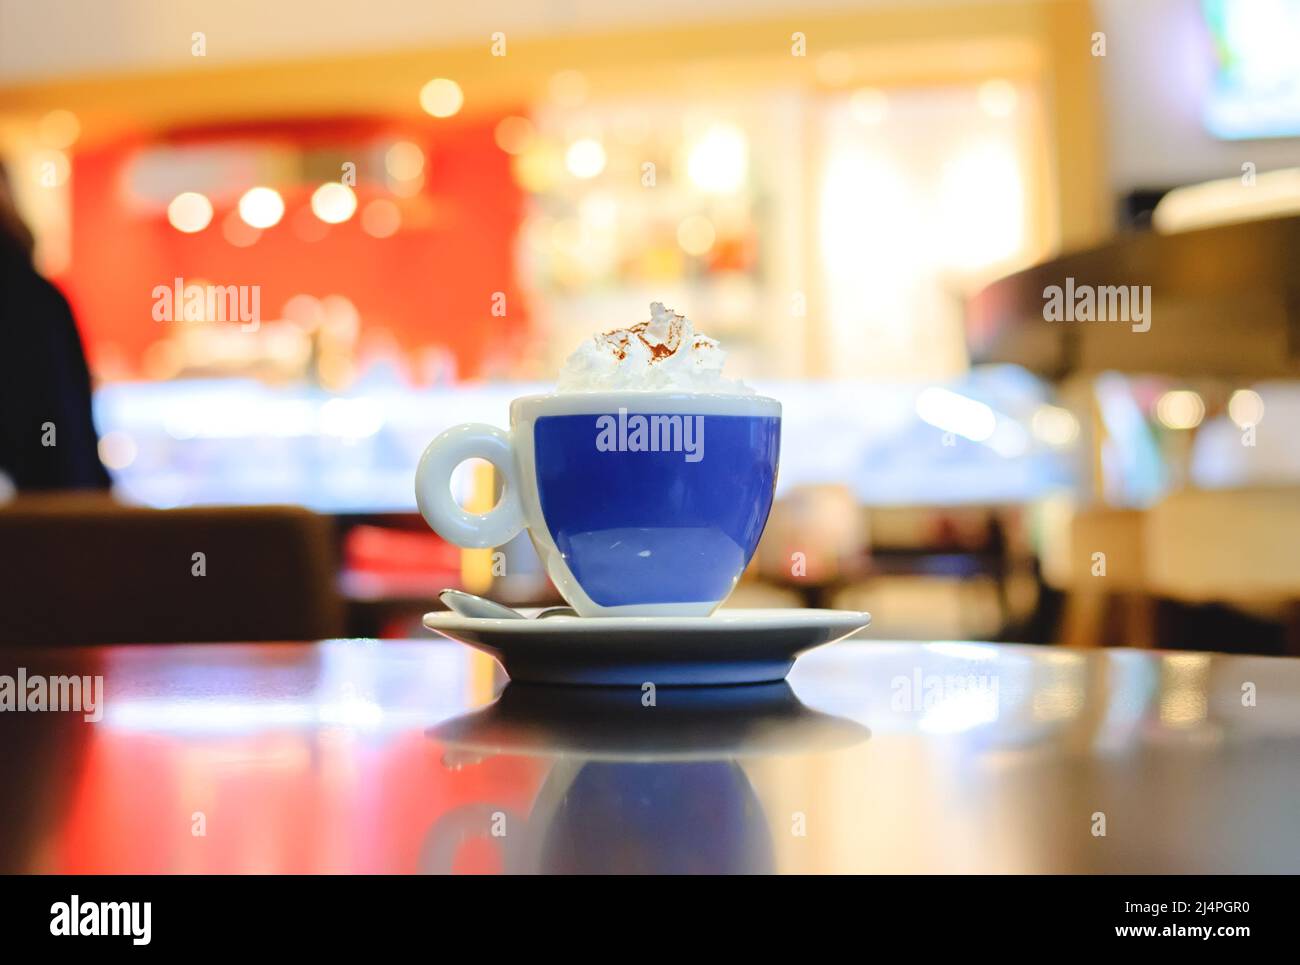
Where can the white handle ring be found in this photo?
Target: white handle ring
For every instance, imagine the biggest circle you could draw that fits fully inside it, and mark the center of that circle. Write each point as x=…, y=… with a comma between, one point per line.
x=473, y=440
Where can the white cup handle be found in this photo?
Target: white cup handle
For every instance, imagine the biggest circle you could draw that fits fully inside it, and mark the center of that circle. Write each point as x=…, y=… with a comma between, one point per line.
x=498, y=525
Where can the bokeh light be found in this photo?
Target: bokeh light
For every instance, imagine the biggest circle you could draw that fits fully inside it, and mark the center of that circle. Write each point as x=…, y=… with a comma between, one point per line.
x=1054, y=425
x=585, y=158
x=539, y=167
x=441, y=97
x=514, y=134
x=404, y=161
x=117, y=450
x=261, y=207
x=305, y=311
x=189, y=212
x=381, y=218
x=719, y=161
x=333, y=202
x=1245, y=408
x=239, y=232
x=1180, y=409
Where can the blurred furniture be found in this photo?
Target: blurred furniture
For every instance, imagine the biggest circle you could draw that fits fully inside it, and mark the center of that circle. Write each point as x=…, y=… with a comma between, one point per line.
x=941, y=572
x=1221, y=303
x=1216, y=564
x=815, y=541
x=925, y=571
x=1236, y=546
x=393, y=567
x=1108, y=602
x=83, y=569
x=1232, y=285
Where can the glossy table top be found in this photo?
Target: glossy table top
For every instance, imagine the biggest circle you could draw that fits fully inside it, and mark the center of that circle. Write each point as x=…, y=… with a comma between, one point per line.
x=365, y=756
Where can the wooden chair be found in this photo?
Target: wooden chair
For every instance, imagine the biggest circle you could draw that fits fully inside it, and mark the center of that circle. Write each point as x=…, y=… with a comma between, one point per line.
x=80, y=568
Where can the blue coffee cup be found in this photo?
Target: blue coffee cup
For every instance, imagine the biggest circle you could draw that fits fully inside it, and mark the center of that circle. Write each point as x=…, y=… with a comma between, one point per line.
x=638, y=503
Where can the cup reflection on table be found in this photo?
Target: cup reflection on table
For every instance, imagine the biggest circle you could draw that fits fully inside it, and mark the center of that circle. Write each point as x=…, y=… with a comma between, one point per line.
x=633, y=788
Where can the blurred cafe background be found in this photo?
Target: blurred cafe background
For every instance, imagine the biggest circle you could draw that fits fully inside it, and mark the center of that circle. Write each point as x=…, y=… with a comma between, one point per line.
x=419, y=210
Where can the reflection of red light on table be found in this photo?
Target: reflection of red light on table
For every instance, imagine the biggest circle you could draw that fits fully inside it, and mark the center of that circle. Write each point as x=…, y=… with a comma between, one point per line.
x=294, y=758
x=290, y=802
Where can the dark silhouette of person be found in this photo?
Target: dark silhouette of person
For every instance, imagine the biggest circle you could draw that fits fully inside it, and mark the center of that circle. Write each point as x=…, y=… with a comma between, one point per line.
x=47, y=434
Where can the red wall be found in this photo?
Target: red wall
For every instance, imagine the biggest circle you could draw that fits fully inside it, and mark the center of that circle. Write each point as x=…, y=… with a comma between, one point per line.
x=430, y=285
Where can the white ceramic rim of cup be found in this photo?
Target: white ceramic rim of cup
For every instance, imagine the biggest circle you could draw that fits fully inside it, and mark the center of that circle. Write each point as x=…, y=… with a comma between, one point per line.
x=653, y=401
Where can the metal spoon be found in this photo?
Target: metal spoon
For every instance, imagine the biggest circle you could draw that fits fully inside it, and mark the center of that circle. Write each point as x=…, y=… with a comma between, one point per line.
x=481, y=608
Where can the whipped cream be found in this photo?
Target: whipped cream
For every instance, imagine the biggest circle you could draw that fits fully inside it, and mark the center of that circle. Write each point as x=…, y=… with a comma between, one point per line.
x=665, y=353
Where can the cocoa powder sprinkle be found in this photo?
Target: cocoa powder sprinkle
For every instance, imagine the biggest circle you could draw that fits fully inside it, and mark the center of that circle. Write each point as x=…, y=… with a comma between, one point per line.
x=621, y=338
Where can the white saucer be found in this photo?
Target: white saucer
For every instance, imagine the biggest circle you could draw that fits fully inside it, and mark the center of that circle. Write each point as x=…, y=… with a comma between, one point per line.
x=730, y=647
